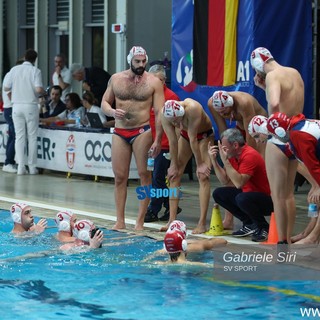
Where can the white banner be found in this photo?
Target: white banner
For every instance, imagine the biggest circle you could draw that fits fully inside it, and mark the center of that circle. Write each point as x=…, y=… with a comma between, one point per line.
x=73, y=151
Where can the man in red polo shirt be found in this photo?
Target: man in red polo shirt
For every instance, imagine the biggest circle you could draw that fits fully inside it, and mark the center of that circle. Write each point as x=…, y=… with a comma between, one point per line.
x=249, y=199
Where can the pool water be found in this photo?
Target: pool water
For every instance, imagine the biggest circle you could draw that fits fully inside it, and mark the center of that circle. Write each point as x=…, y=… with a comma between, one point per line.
x=113, y=283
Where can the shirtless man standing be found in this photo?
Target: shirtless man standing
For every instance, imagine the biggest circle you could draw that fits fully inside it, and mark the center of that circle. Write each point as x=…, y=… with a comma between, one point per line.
x=196, y=132
x=284, y=89
x=135, y=92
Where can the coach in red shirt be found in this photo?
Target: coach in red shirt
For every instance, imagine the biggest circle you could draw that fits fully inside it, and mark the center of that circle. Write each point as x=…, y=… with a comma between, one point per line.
x=246, y=191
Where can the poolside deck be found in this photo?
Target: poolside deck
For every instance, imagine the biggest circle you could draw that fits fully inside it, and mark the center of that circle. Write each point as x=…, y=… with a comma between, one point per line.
x=53, y=191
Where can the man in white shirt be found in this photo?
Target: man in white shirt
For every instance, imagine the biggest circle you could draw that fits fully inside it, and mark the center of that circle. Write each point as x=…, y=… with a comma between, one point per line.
x=62, y=75
x=25, y=83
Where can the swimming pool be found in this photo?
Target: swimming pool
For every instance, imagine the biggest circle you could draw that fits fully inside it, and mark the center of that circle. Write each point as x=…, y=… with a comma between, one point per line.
x=112, y=283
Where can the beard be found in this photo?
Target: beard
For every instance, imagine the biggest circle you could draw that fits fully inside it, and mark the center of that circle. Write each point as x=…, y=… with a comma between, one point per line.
x=137, y=71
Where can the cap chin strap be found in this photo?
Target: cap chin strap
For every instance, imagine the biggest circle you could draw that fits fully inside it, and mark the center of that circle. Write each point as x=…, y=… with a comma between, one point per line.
x=184, y=245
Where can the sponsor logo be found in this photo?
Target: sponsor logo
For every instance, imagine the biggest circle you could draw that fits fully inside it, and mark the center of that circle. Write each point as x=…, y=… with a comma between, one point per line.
x=97, y=151
x=70, y=151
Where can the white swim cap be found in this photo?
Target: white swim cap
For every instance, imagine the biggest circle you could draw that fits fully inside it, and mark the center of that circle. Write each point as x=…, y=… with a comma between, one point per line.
x=221, y=99
x=177, y=225
x=172, y=109
x=63, y=219
x=16, y=211
x=82, y=230
x=259, y=57
x=258, y=124
x=136, y=51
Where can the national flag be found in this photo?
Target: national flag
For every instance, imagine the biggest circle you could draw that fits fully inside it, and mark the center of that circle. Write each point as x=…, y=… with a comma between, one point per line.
x=215, y=42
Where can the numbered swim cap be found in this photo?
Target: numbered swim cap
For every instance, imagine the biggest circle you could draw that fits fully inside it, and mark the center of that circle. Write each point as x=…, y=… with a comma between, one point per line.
x=62, y=220
x=16, y=211
x=278, y=124
x=175, y=241
x=178, y=225
x=221, y=99
x=258, y=124
x=173, y=109
x=136, y=51
x=82, y=230
x=259, y=57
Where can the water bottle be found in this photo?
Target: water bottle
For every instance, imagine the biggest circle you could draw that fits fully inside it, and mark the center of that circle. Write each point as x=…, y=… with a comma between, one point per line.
x=312, y=210
x=150, y=164
x=167, y=156
x=78, y=122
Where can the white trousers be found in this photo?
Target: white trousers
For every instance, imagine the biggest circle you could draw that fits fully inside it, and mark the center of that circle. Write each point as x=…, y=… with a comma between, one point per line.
x=26, y=123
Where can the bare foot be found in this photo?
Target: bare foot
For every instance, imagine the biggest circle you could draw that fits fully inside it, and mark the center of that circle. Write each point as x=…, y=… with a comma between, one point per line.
x=227, y=225
x=138, y=227
x=308, y=240
x=199, y=229
x=227, y=220
x=119, y=226
x=298, y=237
x=306, y=231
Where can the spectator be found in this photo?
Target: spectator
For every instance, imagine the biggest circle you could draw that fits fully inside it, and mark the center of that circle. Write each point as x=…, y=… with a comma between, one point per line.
x=161, y=163
x=74, y=109
x=62, y=75
x=55, y=105
x=9, y=163
x=24, y=221
x=93, y=79
x=135, y=92
x=196, y=132
x=88, y=101
x=249, y=199
x=25, y=83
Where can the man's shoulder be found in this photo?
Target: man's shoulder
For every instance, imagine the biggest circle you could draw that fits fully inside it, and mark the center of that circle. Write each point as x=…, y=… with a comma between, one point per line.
x=248, y=150
x=170, y=95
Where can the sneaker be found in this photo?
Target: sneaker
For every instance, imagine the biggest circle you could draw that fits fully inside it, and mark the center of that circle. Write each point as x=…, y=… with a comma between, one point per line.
x=244, y=231
x=166, y=214
x=9, y=168
x=21, y=170
x=151, y=216
x=260, y=235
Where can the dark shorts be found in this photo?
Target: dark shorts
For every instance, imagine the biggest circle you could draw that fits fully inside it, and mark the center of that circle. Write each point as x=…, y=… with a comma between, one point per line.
x=129, y=135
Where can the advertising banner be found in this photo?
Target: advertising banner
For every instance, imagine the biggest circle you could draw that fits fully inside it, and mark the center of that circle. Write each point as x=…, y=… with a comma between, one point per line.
x=72, y=151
